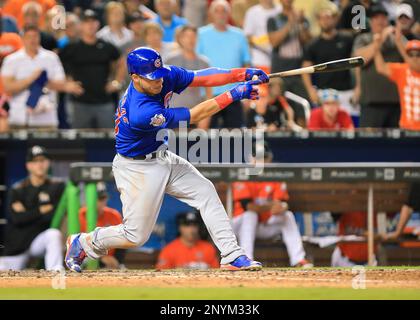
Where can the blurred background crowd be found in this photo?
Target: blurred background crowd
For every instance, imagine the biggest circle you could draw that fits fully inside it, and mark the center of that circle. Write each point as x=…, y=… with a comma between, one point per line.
x=63, y=62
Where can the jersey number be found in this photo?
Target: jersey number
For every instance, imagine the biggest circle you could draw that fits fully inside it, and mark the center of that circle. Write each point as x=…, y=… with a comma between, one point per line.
x=120, y=115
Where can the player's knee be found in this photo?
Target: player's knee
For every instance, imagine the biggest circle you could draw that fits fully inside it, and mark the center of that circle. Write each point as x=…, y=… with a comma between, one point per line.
x=134, y=238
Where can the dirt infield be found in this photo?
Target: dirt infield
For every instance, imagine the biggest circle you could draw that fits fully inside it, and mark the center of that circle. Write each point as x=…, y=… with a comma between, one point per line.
x=268, y=278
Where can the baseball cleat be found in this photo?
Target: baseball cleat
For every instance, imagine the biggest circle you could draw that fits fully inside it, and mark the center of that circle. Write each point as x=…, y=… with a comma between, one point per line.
x=75, y=253
x=242, y=263
x=304, y=264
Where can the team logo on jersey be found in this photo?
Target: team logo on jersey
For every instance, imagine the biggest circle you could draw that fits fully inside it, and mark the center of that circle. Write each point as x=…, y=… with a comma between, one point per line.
x=158, y=63
x=43, y=197
x=157, y=120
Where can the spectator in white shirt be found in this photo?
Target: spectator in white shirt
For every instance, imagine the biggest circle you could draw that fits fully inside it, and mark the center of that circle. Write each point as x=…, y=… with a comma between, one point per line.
x=20, y=73
x=115, y=32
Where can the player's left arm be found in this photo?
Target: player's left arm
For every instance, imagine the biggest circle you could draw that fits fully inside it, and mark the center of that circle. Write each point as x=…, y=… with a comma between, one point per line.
x=213, y=77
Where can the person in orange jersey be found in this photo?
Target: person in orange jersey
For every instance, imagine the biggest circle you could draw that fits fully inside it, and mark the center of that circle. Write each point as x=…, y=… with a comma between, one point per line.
x=188, y=251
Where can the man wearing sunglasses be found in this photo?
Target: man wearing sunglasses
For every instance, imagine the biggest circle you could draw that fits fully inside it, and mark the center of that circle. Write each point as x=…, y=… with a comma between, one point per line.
x=407, y=78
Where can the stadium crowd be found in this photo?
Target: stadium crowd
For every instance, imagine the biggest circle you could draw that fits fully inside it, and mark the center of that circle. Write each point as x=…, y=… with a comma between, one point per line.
x=63, y=62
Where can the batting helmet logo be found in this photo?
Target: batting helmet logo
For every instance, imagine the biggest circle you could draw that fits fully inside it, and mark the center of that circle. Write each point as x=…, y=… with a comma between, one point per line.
x=147, y=63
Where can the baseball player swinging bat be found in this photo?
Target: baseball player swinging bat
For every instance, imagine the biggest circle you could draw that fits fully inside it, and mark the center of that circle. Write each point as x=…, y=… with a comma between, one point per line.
x=332, y=66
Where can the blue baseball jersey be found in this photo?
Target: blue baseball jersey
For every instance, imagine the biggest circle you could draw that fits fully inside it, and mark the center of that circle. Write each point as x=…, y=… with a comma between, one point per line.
x=139, y=116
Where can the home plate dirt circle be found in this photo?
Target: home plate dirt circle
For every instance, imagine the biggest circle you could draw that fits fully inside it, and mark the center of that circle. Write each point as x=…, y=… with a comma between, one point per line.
x=267, y=278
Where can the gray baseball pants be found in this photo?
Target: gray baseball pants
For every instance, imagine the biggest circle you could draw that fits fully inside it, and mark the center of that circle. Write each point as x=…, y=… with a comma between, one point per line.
x=142, y=185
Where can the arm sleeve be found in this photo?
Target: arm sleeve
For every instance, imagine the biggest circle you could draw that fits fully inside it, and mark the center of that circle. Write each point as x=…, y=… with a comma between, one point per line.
x=21, y=218
x=212, y=77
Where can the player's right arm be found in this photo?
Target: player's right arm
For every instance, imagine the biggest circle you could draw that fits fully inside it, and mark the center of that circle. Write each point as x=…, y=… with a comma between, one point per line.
x=210, y=107
x=213, y=77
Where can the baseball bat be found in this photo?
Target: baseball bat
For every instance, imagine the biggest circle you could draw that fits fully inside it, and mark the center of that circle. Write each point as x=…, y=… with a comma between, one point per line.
x=332, y=66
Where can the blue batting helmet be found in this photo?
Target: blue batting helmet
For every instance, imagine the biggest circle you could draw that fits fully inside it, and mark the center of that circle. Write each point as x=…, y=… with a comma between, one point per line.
x=146, y=63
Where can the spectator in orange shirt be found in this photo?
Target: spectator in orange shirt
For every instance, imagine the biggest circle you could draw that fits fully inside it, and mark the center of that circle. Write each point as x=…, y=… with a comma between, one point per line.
x=106, y=217
x=407, y=78
x=329, y=115
x=9, y=43
x=188, y=251
x=14, y=8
